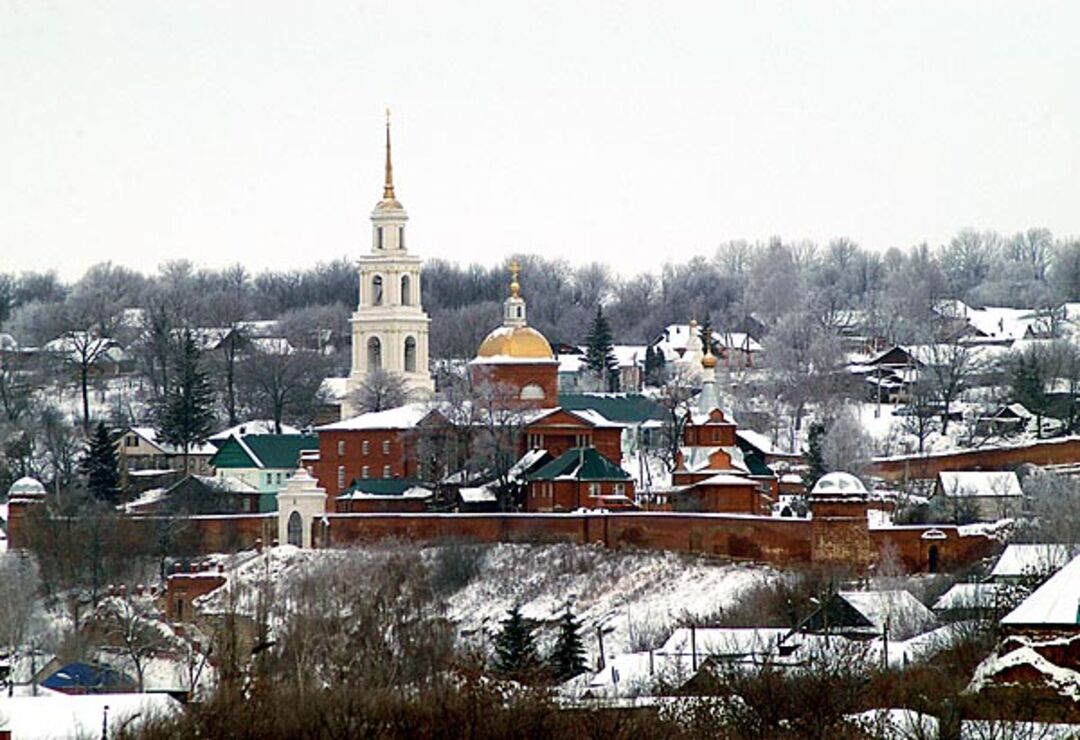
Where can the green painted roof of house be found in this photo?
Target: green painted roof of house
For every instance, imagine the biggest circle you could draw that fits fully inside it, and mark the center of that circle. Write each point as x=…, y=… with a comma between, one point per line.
x=269, y=450
x=583, y=464
x=628, y=408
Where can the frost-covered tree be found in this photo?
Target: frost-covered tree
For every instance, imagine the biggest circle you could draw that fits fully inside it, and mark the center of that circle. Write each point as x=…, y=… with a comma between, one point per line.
x=380, y=390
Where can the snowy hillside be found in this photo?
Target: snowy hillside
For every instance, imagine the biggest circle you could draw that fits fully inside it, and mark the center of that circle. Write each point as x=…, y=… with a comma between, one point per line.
x=641, y=597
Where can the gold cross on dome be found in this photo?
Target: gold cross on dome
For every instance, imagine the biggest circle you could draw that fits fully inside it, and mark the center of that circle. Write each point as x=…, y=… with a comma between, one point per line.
x=515, y=287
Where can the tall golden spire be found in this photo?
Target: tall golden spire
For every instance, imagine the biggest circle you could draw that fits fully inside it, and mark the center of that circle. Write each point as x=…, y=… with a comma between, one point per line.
x=388, y=187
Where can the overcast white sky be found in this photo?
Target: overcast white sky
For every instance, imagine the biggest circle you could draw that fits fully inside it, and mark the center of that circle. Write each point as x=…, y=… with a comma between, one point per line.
x=626, y=132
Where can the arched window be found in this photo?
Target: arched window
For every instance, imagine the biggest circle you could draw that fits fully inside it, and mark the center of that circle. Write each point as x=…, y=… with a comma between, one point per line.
x=374, y=354
x=376, y=290
x=296, y=529
x=532, y=392
x=406, y=291
x=410, y=355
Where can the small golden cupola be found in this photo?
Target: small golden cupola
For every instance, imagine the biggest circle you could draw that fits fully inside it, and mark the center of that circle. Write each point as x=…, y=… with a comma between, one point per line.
x=515, y=339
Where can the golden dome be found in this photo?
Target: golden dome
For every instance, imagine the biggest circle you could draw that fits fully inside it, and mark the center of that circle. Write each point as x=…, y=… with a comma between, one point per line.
x=708, y=361
x=521, y=342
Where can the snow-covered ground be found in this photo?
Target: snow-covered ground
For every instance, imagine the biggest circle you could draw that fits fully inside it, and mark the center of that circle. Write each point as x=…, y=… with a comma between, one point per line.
x=636, y=598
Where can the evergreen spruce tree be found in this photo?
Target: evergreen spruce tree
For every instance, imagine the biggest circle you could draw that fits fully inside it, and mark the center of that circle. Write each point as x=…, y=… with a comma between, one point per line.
x=567, y=658
x=815, y=459
x=99, y=465
x=186, y=417
x=515, y=646
x=654, y=366
x=600, y=352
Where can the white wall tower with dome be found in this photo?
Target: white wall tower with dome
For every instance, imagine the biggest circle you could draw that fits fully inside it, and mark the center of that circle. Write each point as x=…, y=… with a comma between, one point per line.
x=389, y=326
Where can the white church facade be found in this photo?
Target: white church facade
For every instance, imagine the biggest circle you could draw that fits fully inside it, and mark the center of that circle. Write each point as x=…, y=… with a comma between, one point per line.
x=389, y=326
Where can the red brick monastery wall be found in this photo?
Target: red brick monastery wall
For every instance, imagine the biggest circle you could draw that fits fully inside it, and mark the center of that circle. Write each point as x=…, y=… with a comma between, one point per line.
x=1050, y=452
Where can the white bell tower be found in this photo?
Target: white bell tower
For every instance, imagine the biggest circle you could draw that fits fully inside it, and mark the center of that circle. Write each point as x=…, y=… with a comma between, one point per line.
x=389, y=326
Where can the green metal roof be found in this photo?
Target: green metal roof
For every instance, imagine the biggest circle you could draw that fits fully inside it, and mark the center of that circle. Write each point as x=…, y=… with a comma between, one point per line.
x=272, y=451
x=628, y=408
x=583, y=464
x=753, y=460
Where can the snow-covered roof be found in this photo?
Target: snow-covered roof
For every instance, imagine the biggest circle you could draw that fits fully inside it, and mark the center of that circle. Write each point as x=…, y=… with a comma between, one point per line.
x=896, y=608
x=757, y=440
x=478, y=495
x=151, y=436
x=255, y=426
x=26, y=486
x=1063, y=681
x=838, y=484
x=968, y=596
x=272, y=345
x=54, y=715
x=402, y=417
x=1055, y=603
x=673, y=341
x=725, y=479
x=696, y=458
x=1031, y=559
x=335, y=388
x=980, y=483
x=413, y=492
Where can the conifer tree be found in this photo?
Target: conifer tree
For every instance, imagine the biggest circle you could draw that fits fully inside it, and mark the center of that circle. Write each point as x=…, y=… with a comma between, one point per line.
x=187, y=417
x=99, y=465
x=567, y=658
x=600, y=352
x=815, y=458
x=654, y=366
x=515, y=646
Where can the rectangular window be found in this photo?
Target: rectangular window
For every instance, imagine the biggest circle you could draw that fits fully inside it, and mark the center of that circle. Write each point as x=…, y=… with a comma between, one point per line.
x=619, y=489
x=386, y=447
x=378, y=237
x=366, y=472
x=341, y=476
x=365, y=447
x=594, y=489
x=401, y=237
x=341, y=447
x=269, y=478
x=279, y=479
x=131, y=441
x=536, y=441
x=385, y=471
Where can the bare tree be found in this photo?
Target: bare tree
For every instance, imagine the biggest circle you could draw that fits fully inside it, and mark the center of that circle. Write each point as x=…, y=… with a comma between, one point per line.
x=129, y=623
x=282, y=385
x=675, y=396
x=380, y=390
x=19, y=584
x=846, y=446
x=951, y=367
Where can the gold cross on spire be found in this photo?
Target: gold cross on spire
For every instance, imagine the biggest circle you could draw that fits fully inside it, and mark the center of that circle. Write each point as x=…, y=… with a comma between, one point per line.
x=515, y=287
x=388, y=187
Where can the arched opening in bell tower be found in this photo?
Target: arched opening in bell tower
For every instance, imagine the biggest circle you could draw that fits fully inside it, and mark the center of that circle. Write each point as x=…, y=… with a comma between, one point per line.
x=374, y=354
